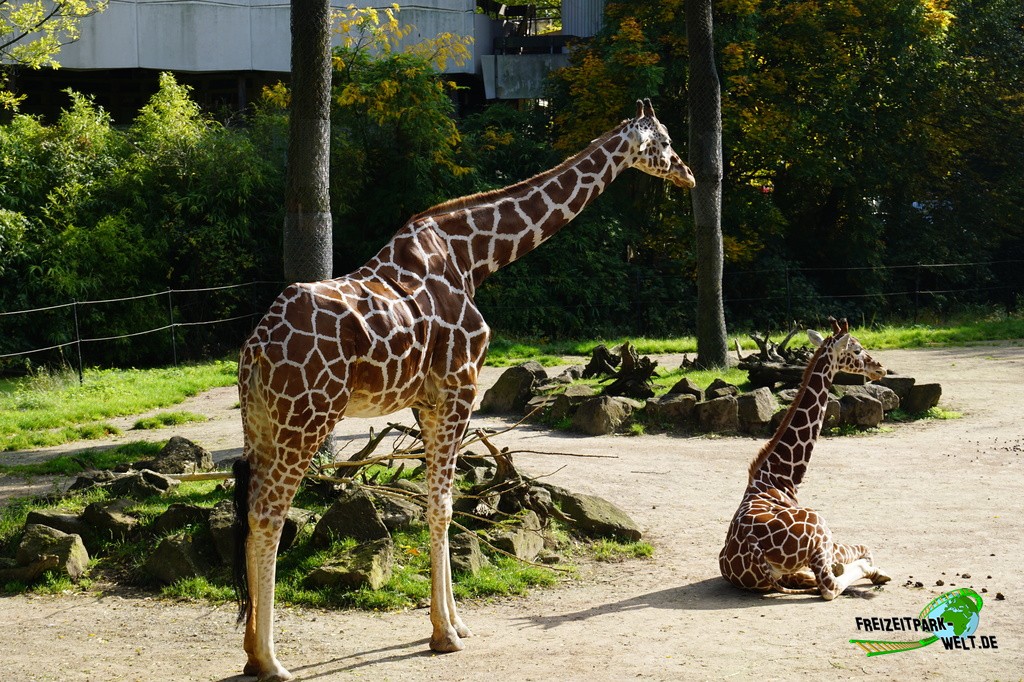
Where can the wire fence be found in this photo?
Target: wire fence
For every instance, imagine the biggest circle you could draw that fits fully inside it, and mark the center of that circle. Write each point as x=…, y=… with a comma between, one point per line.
x=180, y=324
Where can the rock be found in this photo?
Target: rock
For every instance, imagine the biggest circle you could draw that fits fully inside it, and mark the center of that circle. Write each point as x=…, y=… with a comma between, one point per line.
x=718, y=415
x=179, y=456
x=673, y=409
x=351, y=516
x=861, y=411
x=513, y=389
x=685, y=386
x=176, y=558
x=601, y=415
x=10, y=571
x=398, y=512
x=294, y=524
x=899, y=384
x=755, y=409
x=414, y=487
x=889, y=399
x=922, y=397
x=477, y=475
x=539, y=405
x=368, y=564
x=44, y=549
x=787, y=395
x=109, y=521
x=594, y=516
x=221, y=521
x=72, y=524
x=570, y=374
x=833, y=413
x=566, y=403
x=179, y=515
x=466, y=556
x=91, y=479
x=142, y=484
x=524, y=541
x=720, y=389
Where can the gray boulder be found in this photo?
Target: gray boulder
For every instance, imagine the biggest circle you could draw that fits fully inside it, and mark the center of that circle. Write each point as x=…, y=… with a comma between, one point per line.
x=899, y=384
x=294, y=523
x=91, y=479
x=177, y=557
x=861, y=411
x=109, y=520
x=142, y=484
x=221, y=521
x=179, y=515
x=755, y=409
x=513, y=389
x=674, y=409
x=718, y=415
x=888, y=397
x=466, y=556
x=719, y=388
x=47, y=549
x=594, y=516
x=685, y=386
x=524, y=540
x=922, y=397
x=72, y=524
x=368, y=564
x=566, y=403
x=351, y=516
x=179, y=456
x=602, y=415
x=398, y=512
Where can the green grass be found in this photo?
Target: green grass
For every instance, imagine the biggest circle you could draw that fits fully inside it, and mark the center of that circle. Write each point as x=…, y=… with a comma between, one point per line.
x=165, y=419
x=69, y=465
x=611, y=550
x=49, y=409
x=899, y=415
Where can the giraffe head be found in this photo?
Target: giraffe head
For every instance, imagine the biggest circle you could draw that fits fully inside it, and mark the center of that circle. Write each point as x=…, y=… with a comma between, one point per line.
x=847, y=353
x=653, y=148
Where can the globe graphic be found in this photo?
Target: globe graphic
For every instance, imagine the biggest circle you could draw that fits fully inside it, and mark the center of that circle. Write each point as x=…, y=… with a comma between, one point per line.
x=960, y=615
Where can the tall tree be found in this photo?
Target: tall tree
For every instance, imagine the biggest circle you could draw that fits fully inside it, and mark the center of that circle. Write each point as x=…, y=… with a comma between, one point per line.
x=32, y=33
x=705, y=156
x=308, y=252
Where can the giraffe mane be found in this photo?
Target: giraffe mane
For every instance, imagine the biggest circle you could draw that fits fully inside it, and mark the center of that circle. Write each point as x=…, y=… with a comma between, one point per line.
x=474, y=200
x=787, y=419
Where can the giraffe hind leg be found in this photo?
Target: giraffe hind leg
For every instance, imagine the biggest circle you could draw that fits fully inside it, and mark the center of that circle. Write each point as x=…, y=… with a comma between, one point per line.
x=845, y=554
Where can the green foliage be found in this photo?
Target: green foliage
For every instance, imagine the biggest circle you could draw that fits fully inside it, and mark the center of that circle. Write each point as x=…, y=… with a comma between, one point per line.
x=69, y=465
x=614, y=551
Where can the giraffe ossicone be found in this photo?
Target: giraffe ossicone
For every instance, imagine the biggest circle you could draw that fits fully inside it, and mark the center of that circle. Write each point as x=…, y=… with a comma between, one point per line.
x=402, y=331
x=774, y=544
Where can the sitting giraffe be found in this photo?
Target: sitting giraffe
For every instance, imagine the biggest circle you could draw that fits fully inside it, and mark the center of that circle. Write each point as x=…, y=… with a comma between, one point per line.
x=773, y=543
x=400, y=332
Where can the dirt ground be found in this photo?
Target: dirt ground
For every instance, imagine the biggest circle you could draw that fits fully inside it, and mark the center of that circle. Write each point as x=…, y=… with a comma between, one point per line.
x=934, y=500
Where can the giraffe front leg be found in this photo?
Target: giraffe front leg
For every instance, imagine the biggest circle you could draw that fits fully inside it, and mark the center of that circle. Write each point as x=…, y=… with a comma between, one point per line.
x=442, y=431
x=833, y=579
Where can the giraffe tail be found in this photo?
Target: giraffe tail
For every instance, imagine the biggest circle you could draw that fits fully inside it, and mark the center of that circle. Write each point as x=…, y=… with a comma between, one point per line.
x=242, y=473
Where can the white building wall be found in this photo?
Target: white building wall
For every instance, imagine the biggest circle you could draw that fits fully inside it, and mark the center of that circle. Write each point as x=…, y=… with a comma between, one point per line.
x=227, y=35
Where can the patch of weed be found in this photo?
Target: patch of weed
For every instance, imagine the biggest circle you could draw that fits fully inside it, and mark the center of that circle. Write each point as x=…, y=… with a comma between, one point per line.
x=164, y=419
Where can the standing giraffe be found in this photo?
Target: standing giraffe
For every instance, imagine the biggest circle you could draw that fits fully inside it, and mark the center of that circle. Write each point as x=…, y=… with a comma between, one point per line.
x=772, y=542
x=402, y=331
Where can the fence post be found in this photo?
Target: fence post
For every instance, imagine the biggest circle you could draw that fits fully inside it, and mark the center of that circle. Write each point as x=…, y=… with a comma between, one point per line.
x=789, y=297
x=170, y=322
x=78, y=343
x=917, y=288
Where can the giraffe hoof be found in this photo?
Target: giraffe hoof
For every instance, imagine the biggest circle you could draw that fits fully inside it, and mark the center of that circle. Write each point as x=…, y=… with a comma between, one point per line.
x=880, y=577
x=462, y=630
x=838, y=569
x=276, y=673
x=450, y=643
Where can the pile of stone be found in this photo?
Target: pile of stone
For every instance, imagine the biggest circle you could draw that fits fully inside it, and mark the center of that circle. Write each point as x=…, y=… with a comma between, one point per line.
x=190, y=540
x=719, y=408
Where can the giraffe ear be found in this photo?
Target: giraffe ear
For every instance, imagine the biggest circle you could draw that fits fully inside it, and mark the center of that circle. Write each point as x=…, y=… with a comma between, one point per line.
x=648, y=108
x=639, y=109
x=815, y=338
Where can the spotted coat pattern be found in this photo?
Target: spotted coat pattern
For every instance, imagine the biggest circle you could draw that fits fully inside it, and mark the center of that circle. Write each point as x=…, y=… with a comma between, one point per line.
x=403, y=331
x=773, y=543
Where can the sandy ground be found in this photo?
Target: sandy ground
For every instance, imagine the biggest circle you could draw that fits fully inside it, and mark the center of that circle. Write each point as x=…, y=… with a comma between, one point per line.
x=934, y=500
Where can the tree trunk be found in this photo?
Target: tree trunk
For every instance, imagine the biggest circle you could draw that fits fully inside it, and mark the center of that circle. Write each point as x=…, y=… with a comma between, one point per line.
x=705, y=156
x=308, y=254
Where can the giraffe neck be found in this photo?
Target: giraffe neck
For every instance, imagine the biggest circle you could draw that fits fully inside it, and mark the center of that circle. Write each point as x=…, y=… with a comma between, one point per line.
x=782, y=462
x=485, y=232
